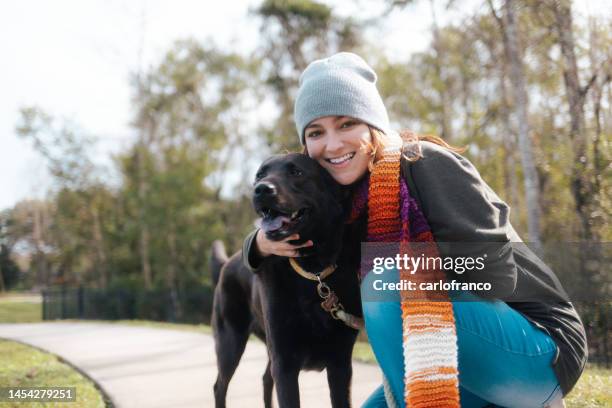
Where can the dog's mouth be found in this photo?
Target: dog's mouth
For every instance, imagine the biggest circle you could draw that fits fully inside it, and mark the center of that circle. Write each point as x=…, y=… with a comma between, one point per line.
x=276, y=221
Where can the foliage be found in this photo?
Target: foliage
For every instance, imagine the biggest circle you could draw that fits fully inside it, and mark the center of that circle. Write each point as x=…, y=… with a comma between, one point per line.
x=10, y=273
x=296, y=32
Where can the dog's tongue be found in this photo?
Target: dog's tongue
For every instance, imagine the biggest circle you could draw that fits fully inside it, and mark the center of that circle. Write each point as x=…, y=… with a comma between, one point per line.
x=272, y=224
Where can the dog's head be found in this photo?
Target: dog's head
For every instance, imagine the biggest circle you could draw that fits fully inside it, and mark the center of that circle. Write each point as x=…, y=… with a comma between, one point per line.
x=294, y=194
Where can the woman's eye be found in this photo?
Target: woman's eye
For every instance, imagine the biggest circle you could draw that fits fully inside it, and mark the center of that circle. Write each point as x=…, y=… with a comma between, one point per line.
x=348, y=123
x=313, y=134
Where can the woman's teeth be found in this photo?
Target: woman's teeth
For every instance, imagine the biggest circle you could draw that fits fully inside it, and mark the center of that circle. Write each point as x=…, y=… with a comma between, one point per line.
x=341, y=159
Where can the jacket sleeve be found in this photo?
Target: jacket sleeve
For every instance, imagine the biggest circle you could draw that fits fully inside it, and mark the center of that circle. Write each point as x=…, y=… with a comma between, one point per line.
x=250, y=256
x=461, y=208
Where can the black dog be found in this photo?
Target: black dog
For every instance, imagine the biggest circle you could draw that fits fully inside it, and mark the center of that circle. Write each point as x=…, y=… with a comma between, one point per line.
x=292, y=194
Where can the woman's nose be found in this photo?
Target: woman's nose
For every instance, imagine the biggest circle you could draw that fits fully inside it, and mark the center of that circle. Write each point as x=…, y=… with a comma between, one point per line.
x=334, y=143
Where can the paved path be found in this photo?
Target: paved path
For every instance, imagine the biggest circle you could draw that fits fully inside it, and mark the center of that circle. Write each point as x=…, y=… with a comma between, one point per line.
x=151, y=367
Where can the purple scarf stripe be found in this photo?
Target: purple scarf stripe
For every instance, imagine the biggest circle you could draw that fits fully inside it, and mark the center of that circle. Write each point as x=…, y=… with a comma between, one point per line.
x=418, y=223
x=405, y=211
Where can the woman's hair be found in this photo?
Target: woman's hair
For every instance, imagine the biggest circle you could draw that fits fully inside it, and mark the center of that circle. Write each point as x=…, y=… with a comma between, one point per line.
x=380, y=141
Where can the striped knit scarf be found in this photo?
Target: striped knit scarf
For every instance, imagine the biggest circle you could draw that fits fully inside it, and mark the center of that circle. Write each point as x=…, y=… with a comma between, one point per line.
x=429, y=335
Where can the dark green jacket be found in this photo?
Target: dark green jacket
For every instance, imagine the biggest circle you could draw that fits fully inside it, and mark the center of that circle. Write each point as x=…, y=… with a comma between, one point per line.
x=460, y=207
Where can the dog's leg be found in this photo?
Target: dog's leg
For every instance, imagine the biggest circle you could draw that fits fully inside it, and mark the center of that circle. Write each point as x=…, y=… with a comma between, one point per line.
x=339, y=374
x=286, y=382
x=268, y=385
x=229, y=345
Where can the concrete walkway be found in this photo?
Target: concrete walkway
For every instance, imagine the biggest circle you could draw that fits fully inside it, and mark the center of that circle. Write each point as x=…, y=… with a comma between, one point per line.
x=151, y=367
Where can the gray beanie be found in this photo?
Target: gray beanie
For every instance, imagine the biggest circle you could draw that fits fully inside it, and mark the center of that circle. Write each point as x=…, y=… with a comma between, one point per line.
x=341, y=85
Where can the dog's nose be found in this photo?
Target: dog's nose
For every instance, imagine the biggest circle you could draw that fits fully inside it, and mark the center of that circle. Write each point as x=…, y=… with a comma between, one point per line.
x=265, y=188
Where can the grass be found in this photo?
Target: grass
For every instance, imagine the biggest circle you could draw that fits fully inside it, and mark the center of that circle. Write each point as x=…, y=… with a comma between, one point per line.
x=594, y=389
x=362, y=352
x=198, y=328
x=15, y=309
x=20, y=312
x=24, y=366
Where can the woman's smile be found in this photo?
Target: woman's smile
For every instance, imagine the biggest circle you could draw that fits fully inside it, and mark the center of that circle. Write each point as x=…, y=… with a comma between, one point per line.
x=342, y=161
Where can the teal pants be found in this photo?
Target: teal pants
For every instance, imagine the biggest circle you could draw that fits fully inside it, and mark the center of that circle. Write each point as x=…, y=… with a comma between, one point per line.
x=504, y=360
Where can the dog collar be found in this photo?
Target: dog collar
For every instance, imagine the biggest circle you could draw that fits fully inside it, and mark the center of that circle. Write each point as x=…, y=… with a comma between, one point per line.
x=330, y=303
x=309, y=275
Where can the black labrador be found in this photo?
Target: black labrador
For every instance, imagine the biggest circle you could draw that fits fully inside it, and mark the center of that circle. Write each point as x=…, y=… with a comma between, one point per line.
x=292, y=194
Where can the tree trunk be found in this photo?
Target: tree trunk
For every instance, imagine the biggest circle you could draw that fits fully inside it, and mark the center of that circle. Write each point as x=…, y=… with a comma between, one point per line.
x=596, y=97
x=144, y=228
x=42, y=274
x=445, y=104
x=509, y=140
x=171, y=275
x=145, y=129
x=102, y=265
x=509, y=30
x=582, y=187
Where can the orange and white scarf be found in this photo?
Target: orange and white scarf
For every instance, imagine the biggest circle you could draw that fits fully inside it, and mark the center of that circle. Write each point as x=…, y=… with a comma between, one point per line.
x=429, y=334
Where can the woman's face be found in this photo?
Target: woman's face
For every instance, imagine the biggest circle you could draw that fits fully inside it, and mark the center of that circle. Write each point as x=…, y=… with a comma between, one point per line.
x=340, y=145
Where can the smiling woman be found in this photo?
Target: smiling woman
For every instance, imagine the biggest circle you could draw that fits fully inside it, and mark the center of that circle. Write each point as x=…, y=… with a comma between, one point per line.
x=448, y=349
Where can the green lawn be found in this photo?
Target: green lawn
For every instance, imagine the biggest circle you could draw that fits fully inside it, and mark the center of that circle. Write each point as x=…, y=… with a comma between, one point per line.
x=24, y=366
x=594, y=389
x=20, y=308
x=20, y=312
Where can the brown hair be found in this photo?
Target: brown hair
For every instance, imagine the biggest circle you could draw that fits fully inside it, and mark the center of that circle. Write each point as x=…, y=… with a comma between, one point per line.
x=379, y=142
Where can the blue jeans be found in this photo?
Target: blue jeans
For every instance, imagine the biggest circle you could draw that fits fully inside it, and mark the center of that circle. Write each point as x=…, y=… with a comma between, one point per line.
x=504, y=360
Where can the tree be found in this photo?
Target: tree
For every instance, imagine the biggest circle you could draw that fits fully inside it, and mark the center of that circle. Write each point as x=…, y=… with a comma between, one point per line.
x=295, y=33
x=196, y=97
x=65, y=147
x=9, y=271
x=557, y=15
x=509, y=28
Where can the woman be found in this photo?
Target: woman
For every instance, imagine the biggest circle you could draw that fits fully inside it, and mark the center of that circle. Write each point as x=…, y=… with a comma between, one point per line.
x=479, y=348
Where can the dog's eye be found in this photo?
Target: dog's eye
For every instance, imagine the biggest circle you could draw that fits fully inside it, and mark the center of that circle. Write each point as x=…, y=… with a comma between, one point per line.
x=295, y=171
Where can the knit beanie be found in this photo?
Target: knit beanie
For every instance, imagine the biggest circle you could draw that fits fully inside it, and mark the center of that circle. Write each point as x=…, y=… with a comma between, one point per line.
x=341, y=85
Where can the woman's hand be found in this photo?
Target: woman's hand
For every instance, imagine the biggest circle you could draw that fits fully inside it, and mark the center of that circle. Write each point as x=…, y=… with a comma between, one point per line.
x=280, y=248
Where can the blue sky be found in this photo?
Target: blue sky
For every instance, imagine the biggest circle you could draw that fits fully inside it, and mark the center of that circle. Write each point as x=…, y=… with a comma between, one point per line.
x=72, y=58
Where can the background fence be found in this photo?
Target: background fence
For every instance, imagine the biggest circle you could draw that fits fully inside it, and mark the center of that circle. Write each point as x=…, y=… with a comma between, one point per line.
x=193, y=306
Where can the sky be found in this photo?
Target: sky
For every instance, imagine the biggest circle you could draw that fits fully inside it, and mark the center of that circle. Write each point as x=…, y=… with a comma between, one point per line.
x=73, y=59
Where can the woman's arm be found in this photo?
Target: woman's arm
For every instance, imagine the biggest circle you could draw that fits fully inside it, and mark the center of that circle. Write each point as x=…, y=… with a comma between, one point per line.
x=256, y=247
x=461, y=208
x=251, y=258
